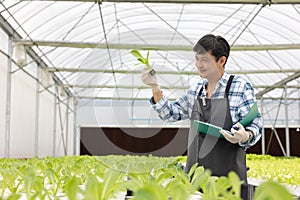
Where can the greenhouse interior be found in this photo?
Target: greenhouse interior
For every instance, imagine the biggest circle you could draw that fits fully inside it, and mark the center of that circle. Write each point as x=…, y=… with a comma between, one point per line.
x=76, y=119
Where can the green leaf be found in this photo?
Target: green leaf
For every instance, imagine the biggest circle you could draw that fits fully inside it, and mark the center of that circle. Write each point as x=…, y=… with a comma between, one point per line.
x=192, y=170
x=271, y=191
x=71, y=188
x=141, y=59
x=91, y=190
x=200, y=179
x=151, y=191
x=222, y=184
x=177, y=190
x=14, y=197
x=235, y=182
x=147, y=58
x=136, y=53
x=112, y=184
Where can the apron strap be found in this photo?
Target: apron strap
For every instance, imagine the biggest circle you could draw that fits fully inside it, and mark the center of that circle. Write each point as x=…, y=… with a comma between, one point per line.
x=199, y=94
x=228, y=86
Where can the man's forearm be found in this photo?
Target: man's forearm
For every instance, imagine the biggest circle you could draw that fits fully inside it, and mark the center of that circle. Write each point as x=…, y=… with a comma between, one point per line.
x=157, y=93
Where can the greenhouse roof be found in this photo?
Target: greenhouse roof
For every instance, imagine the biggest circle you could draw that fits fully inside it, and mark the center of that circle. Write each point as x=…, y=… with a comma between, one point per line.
x=86, y=45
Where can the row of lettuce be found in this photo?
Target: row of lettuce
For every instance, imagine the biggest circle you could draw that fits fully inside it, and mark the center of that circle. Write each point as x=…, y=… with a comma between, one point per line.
x=148, y=177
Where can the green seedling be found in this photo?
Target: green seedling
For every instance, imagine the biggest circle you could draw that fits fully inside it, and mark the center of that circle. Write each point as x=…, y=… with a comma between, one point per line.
x=141, y=59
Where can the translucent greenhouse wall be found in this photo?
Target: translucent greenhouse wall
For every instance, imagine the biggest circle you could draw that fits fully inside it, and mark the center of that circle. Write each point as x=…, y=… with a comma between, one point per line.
x=120, y=113
x=139, y=113
x=28, y=130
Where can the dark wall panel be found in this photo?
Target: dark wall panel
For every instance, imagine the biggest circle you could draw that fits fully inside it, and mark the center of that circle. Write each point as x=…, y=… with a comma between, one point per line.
x=164, y=141
x=139, y=141
x=272, y=145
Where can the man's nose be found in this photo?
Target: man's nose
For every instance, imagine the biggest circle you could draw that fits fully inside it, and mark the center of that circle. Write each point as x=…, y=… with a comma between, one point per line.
x=199, y=64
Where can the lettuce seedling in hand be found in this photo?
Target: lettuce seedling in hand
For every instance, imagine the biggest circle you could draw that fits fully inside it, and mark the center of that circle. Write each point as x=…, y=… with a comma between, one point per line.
x=143, y=60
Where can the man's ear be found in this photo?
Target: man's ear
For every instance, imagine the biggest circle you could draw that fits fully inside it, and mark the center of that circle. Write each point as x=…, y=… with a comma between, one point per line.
x=222, y=61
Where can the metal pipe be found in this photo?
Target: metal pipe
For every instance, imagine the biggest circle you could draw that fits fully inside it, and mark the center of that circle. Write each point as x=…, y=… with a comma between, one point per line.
x=281, y=82
x=8, y=102
x=78, y=70
x=75, y=103
x=279, y=141
x=269, y=2
x=160, y=47
x=263, y=137
x=30, y=75
x=37, y=116
x=67, y=124
x=76, y=147
x=125, y=87
x=147, y=99
x=287, y=131
x=162, y=87
x=9, y=30
x=54, y=124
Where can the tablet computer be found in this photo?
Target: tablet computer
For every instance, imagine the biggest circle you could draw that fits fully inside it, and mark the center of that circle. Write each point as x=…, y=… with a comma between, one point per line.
x=207, y=128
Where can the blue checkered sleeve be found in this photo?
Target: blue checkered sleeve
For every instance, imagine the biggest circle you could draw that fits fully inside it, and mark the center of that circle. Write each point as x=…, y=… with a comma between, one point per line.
x=241, y=99
x=177, y=110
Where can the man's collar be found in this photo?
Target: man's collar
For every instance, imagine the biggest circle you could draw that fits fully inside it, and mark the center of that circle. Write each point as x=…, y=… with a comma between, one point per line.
x=224, y=79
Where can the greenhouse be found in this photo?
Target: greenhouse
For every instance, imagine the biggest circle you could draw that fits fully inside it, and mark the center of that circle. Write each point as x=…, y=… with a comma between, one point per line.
x=77, y=120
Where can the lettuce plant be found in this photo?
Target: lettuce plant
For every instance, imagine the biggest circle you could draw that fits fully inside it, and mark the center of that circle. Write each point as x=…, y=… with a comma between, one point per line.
x=141, y=59
x=272, y=190
x=279, y=169
x=103, y=177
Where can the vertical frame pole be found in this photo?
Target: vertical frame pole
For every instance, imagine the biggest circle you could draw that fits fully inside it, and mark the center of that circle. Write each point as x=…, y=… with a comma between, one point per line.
x=287, y=131
x=37, y=113
x=54, y=123
x=8, y=102
x=263, y=137
x=67, y=124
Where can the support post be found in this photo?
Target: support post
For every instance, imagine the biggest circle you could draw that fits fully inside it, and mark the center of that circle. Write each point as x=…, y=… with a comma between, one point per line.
x=287, y=131
x=54, y=123
x=263, y=137
x=37, y=113
x=67, y=124
x=76, y=141
x=8, y=102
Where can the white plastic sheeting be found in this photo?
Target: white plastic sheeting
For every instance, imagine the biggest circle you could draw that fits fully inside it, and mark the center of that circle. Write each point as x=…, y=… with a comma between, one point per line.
x=83, y=50
x=160, y=24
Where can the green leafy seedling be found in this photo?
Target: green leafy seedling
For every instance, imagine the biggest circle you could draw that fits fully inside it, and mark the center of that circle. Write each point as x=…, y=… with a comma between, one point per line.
x=141, y=59
x=272, y=190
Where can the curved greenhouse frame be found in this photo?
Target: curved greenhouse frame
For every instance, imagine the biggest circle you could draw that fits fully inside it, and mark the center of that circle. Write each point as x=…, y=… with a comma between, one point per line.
x=67, y=64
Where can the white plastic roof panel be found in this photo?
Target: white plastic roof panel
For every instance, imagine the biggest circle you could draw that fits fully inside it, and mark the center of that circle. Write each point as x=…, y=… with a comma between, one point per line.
x=108, y=69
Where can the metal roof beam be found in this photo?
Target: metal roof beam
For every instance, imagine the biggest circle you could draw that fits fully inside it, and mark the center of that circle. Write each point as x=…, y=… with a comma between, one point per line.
x=268, y=2
x=11, y=32
x=163, y=87
x=76, y=70
x=147, y=99
x=122, y=86
x=283, y=82
x=151, y=47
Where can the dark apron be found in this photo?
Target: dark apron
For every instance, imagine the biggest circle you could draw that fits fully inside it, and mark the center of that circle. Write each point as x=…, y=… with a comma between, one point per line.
x=217, y=154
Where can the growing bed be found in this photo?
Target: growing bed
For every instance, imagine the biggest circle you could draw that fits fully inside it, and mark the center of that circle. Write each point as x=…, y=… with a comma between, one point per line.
x=149, y=177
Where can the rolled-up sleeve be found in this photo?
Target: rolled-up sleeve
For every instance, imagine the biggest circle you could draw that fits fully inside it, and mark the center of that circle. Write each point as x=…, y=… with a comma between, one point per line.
x=176, y=110
x=171, y=111
x=255, y=126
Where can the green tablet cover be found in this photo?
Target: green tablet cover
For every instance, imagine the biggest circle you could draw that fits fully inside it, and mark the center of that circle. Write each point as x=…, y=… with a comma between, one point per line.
x=207, y=128
x=211, y=129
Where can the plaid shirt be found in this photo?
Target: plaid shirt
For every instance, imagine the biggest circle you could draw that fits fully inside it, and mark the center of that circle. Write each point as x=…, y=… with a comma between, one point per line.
x=241, y=98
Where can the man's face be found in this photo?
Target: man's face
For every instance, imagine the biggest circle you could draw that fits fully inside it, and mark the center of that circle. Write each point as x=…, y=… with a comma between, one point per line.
x=207, y=66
